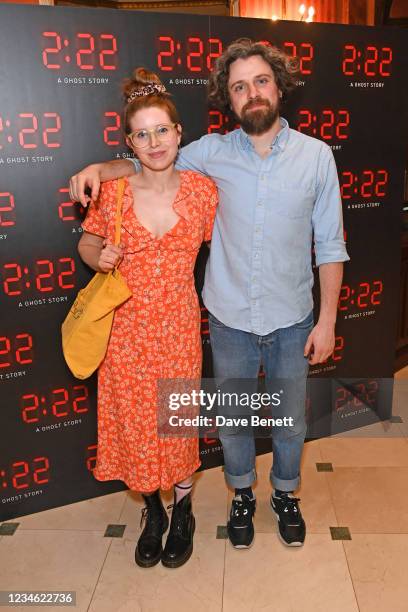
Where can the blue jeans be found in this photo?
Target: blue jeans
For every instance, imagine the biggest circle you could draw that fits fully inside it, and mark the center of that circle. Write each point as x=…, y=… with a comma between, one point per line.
x=238, y=355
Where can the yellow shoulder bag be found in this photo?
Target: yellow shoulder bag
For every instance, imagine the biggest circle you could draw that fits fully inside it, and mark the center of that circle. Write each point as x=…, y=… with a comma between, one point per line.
x=87, y=327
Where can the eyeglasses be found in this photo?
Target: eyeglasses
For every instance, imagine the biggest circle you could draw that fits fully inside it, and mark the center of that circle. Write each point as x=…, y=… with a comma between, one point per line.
x=141, y=138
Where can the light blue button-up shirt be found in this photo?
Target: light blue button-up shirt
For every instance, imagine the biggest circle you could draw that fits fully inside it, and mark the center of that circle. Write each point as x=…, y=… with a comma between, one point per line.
x=259, y=273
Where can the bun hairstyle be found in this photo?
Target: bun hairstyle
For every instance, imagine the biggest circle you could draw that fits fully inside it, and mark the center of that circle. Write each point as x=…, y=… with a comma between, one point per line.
x=145, y=90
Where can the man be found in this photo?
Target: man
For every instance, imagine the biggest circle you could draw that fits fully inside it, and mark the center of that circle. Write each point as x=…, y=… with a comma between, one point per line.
x=277, y=188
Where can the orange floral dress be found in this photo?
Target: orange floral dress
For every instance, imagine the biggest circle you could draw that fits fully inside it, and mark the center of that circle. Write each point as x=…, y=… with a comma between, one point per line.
x=155, y=335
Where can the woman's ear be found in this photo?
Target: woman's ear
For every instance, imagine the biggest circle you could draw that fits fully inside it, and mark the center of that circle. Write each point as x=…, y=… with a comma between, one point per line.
x=179, y=132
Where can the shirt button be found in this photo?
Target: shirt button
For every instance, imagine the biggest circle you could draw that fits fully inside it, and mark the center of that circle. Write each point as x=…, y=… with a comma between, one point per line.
x=257, y=230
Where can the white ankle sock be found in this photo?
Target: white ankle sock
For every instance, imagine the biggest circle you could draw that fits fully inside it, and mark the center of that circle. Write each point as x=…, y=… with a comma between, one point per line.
x=181, y=491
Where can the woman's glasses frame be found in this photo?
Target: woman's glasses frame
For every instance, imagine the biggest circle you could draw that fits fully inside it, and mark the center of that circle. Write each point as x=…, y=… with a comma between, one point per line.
x=161, y=137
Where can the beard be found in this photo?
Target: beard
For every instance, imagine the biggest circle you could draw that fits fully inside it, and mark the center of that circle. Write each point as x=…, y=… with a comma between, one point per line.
x=257, y=122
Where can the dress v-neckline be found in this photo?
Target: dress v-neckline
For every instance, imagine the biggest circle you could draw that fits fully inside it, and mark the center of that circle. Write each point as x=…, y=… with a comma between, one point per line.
x=140, y=224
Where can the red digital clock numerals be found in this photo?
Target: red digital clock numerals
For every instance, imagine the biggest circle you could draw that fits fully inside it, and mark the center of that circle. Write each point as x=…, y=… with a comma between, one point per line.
x=199, y=54
x=25, y=474
x=91, y=459
x=329, y=124
x=58, y=403
x=207, y=439
x=367, y=184
x=204, y=321
x=337, y=354
x=47, y=276
x=89, y=54
x=28, y=137
x=304, y=52
x=370, y=61
x=366, y=295
x=34, y=131
x=165, y=57
x=112, y=133
x=7, y=209
x=361, y=394
x=219, y=123
x=16, y=350
x=68, y=210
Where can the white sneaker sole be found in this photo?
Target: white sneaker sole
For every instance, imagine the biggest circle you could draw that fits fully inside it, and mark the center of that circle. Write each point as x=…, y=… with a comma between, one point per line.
x=241, y=546
x=279, y=534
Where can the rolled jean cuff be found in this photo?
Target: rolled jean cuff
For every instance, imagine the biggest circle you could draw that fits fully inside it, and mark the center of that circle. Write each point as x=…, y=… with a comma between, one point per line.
x=241, y=481
x=285, y=485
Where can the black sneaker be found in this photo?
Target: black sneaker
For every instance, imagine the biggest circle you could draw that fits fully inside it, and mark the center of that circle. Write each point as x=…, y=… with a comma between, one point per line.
x=240, y=526
x=292, y=528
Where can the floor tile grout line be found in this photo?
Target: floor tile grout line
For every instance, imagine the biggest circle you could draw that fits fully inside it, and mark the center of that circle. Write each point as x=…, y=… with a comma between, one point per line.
x=225, y=549
x=223, y=575
x=99, y=575
x=325, y=474
x=21, y=529
x=320, y=453
x=404, y=435
x=342, y=543
x=383, y=533
x=125, y=500
x=351, y=576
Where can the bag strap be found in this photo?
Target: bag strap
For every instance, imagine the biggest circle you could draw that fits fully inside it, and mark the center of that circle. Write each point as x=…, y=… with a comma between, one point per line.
x=119, y=201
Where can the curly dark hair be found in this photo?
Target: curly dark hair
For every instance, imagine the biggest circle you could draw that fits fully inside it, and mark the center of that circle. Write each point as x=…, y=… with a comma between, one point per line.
x=283, y=67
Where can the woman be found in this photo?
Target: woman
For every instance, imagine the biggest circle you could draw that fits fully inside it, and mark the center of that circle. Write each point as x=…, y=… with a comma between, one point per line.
x=156, y=334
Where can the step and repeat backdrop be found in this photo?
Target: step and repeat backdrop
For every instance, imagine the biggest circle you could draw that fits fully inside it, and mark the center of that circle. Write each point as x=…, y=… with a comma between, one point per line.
x=60, y=109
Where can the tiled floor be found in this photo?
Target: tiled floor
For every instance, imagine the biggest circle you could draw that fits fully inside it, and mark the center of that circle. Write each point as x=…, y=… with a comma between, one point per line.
x=366, y=491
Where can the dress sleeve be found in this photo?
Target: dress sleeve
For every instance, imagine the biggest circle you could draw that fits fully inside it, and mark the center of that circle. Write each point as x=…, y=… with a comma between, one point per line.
x=211, y=202
x=96, y=221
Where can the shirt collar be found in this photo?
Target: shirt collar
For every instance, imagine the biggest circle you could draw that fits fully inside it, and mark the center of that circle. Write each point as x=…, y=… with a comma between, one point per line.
x=280, y=140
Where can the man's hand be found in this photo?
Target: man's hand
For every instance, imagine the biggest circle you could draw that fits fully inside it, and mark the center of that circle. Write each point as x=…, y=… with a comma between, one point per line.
x=110, y=257
x=92, y=176
x=88, y=177
x=320, y=343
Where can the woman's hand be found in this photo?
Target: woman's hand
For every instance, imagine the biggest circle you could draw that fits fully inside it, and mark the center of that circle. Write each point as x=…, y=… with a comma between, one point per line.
x=110, y=257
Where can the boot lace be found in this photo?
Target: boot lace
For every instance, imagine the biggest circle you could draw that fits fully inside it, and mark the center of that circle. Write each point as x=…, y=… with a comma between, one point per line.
x=149, y=519
x=177, y=522
x=289, y=506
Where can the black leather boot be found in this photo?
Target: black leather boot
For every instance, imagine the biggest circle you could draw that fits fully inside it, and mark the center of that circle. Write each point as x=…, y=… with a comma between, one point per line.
x=149, y=546
x=179, y=545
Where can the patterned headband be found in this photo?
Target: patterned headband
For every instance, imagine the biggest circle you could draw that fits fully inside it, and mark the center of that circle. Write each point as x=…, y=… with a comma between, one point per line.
x=147, y=90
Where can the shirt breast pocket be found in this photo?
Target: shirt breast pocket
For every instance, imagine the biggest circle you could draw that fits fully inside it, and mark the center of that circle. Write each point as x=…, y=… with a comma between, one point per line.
x=294, y=203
